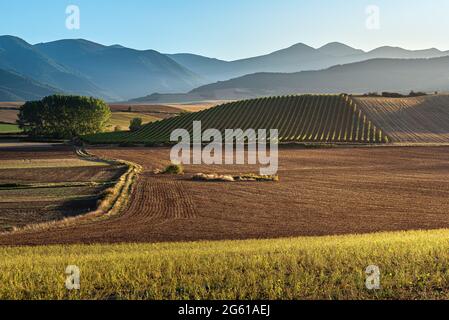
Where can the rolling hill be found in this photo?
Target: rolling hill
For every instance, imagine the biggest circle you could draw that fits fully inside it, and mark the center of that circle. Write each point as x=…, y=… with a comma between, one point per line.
x=117, y=73
x=14, y=87
x=400, y=75
x=21, y=57
x=126, y=72
x=307, y=118
x=416, y=120
x=296, y=58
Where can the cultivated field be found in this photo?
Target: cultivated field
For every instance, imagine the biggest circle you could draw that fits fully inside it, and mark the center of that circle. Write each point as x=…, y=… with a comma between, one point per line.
x=123, y=119
x=420, y=120
x=413, y=265
x=306, y=118
x=9, y=112
x=48, y=183
x=157, y=111
x=176, y=238
x=322, y=192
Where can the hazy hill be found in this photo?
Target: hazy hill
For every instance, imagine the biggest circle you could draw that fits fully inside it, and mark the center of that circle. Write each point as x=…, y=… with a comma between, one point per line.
x=14, y=87
x=400, y=75
x=337, y=49
x=21, y=57
x=299, y=57
x=126, y=72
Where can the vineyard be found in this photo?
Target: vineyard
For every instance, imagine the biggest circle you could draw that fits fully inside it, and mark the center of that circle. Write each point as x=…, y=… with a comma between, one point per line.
x=305, y=118
x=410, y=120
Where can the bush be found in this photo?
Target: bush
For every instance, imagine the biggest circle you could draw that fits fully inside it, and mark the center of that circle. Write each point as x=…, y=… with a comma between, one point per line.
x=64, y=117
x=135, y=124
x=174, y=169
x=392, y=95
x=417, y=94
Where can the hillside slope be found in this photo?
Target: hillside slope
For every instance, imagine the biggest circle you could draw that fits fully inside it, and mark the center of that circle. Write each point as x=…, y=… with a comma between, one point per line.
x=420, y=119
x=126, y=72
x=296, y=58
x=23, y=58
x=307, y=118
x=372, y=75
x=14, y=87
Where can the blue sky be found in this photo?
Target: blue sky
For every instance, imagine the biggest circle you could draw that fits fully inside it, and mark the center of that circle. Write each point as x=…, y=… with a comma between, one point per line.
x=231, y=29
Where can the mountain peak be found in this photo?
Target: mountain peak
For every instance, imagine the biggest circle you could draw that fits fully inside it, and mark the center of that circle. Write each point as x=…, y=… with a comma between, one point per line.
x=12, y=40
x=300, y=46
x=74, y=43
x=338, y=49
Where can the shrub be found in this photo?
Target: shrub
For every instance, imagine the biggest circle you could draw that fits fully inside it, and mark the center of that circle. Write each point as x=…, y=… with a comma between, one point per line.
x=135, y=124
x=174, y=169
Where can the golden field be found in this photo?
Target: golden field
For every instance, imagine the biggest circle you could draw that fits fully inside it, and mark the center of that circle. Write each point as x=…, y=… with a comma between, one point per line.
x=413, y=265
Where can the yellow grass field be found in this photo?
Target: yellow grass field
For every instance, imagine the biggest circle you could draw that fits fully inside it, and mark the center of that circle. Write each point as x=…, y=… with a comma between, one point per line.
x=122, y=119
x=413, y=265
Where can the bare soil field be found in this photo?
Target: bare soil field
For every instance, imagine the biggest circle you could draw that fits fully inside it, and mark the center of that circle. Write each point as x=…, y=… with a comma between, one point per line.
x=415, y=120
x=59, y=175
x=9, y=111
x=23, y=151
x=27, y=173
x=321, y=192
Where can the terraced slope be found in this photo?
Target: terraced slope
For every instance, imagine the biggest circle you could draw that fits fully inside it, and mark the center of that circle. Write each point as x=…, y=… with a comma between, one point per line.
x=306, y=118
x=415, y=120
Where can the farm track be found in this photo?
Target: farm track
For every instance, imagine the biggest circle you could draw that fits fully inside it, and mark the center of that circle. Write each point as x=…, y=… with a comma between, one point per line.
x=322, y=192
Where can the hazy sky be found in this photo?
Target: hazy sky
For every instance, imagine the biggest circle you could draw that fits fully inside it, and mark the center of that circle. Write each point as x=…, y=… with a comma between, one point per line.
x=231, y=29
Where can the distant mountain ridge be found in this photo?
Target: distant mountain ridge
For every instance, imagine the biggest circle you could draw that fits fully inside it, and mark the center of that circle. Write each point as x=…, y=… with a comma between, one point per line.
x=399, y=75
x=125, y=72
x=19, y=56
x=114, y=73
x=117, y=73
x=296, y=58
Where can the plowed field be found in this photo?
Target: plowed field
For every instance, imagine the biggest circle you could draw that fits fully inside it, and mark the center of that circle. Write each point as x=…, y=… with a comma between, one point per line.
x=321, y=192
x=418, y=120
x=42, y=183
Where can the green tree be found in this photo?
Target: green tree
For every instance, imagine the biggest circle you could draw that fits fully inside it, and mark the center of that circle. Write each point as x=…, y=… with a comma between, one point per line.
x=135, y=124
x=64, y=117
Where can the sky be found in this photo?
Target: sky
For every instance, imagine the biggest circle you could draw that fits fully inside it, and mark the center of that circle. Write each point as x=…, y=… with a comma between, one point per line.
x=232, y=29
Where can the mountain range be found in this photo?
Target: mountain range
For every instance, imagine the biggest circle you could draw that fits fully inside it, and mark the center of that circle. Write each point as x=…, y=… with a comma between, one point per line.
x=298, y=57
x=117, y=73
x=375, y=75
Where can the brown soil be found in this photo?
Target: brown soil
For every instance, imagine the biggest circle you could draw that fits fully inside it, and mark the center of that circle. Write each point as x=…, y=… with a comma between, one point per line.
x=321, y=192
x=419, y=120
x=8, y=116
x=21, y=207
x=9, y=111
x=16, y=151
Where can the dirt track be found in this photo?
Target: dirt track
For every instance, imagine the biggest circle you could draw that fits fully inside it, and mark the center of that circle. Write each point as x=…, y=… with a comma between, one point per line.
x=321, y=192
